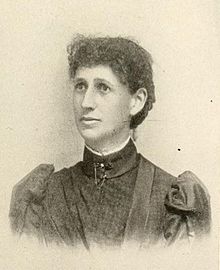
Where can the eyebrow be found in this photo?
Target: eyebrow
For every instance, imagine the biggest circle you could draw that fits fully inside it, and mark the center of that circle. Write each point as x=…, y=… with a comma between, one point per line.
x=79, y=79
x=103, y=80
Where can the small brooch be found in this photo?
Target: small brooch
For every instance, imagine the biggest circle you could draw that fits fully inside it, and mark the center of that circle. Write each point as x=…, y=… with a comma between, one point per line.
x=100, y=173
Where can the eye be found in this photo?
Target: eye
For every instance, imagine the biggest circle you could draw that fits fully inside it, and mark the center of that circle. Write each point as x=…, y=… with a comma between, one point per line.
x=103, y=87
x=80, y=86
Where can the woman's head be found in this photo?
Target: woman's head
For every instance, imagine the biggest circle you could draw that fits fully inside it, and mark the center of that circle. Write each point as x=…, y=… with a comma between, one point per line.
x=130, y=63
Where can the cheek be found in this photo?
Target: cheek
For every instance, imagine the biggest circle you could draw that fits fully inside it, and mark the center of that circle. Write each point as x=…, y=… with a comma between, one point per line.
x=119, y=112
x=76, y=104
x=123, y=114
x=124, y=106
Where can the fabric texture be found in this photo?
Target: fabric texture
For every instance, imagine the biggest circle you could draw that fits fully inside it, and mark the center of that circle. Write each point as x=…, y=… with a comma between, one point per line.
x=110, y=200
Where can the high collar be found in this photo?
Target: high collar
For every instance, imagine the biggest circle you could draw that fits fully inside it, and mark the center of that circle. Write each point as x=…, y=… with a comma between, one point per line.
x=120, y=147
x=112, y=165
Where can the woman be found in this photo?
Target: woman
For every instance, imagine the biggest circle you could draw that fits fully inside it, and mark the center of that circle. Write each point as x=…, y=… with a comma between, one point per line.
x=114, y=195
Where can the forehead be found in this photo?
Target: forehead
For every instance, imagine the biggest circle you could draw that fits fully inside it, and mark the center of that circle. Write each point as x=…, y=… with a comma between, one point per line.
x=97, y=72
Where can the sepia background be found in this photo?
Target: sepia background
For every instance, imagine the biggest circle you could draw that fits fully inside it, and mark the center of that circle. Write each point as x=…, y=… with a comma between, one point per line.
x=36, y=116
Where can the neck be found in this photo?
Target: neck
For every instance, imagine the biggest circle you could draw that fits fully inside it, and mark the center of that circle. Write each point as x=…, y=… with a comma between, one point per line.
x=111, y=148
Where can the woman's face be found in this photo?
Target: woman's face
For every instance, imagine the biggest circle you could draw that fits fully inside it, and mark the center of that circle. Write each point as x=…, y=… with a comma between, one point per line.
x=101, y=105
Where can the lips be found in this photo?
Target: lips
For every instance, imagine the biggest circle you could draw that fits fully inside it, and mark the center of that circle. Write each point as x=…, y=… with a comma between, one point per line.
x=88, y=119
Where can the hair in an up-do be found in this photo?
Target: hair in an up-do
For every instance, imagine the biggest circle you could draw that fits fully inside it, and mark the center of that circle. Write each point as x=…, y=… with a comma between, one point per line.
x=130, y=62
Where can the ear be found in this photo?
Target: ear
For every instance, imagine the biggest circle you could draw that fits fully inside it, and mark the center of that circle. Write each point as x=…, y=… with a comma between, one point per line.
x=138, y=100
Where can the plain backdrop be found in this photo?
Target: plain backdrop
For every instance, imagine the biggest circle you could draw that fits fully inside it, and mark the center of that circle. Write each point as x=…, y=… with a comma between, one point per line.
x=181, y=132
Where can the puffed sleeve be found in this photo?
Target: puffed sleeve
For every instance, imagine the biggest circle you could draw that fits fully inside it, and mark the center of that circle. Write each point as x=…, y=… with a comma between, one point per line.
x=26, y=197
x=188, y=209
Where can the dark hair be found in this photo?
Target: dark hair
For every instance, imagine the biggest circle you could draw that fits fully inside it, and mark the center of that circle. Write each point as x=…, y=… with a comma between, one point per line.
x=130, y=62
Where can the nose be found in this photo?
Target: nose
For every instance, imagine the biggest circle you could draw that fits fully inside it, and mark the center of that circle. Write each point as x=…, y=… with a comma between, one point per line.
x=89, y=99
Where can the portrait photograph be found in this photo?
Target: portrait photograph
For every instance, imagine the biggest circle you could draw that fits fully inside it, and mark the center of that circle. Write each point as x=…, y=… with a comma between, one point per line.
x=110, y=134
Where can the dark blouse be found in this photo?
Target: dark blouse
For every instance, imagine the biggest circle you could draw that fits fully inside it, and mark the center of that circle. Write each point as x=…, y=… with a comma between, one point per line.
x=110, y=200
x=105, y=193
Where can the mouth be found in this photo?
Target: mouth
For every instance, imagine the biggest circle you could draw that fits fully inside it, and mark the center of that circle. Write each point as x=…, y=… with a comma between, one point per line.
x=87, y=119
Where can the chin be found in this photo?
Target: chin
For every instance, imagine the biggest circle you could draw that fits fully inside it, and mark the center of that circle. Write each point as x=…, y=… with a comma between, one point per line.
x=91, y=135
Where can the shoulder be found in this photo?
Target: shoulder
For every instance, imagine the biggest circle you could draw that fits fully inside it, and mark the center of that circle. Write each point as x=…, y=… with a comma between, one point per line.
x=187, y=180
x=189, y=195
x=30, y=189
x=185, y=193
x=188, y=208
x=33, y=185
x=41, y=179
x=186, y=202
x=41, y=185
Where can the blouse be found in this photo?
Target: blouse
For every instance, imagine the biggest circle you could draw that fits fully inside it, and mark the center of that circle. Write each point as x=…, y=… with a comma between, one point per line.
x=110, y=200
